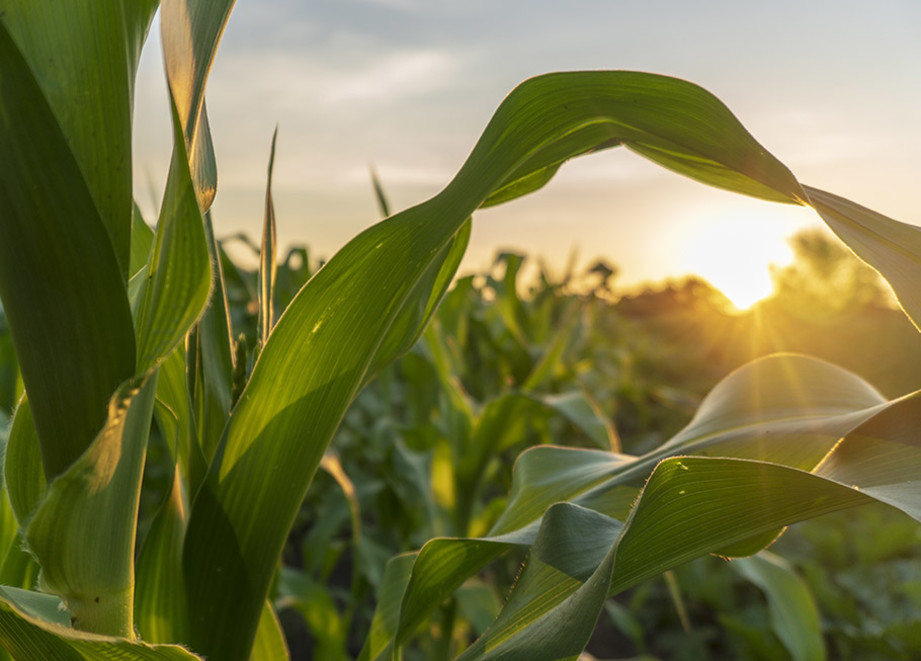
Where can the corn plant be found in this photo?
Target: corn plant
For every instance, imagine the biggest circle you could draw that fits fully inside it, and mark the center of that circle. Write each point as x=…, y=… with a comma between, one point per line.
x=114, y=326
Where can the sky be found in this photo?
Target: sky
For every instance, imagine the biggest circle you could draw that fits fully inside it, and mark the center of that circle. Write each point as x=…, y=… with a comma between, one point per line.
x=830, y=88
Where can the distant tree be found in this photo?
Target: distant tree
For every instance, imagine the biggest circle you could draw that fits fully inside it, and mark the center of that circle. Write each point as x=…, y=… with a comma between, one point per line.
x=826, y=278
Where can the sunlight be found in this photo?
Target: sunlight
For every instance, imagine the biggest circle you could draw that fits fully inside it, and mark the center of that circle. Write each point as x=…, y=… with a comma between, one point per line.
x=734, y=251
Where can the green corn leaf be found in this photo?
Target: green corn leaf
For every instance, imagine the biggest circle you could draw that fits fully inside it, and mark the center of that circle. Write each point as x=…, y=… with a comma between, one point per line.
x=568, y=557
x=891, y=247
x=747, y=415
x=322, y=616
x=793, y=613
x=174, y=413
x=383, y=206
x=669, y=121
x=690, y=506
x=543, y=370
x=19, y=569
x=22, y=466
x=584, y=414
x=270, y=644
x=881, y=456
x=564, y=589
x=45, y=607
x=95, y=48
x=178, y=279
x=214, y=363
x=31, y=629
x=94, y=575
x=268, y=266
x=505, y=422
x=10, y=542
x=142, y=238
x=66, y=329
x=690, y=503
x=9, y=527
x=262, y=509
x=161, y=613
x=508, y=303
x=386, y=620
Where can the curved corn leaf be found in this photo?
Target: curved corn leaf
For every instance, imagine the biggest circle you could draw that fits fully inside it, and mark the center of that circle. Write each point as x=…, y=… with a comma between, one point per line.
x=31, y=630
x=386, y=281
x=67, y=329
x=584, y=414
x=226, y=554
x=691, y=506
x=750, y=415
x=670, y=121
x=94, y=575
x=504, y=423
x=890, y=247
x=794, y=615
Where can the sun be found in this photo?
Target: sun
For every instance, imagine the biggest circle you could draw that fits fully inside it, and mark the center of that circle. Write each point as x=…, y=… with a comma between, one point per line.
x=734, y=251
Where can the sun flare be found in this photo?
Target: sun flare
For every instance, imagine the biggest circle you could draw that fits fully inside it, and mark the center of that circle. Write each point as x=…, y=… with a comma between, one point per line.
x=734, y=252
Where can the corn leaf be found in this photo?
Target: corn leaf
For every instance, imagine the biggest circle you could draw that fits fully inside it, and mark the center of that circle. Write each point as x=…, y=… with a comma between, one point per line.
x=270, y=643
x=142, y=238
x=161, y=613
x=213, y=360
x=748, y=415
x=794, y=615
x=891, y=247
x=67, y=329
x=692, y=505
x=83, y=533
x=380, y=196
x=315, y=604
x=22, y=466
x=585, y=415
x=95, y=48
x=268, y=266
x=689, y=506
x=669, y=121
x=240, y=519
x=178, y=279
x=387, y=614
x=31, y=629
x=190, y=33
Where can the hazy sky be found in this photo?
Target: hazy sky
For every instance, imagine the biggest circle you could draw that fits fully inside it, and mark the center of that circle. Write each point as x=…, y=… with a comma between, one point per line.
x=833, y=89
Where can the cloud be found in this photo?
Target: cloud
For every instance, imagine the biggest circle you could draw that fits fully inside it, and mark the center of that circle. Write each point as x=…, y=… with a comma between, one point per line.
x=364, y=77
x=395, y=76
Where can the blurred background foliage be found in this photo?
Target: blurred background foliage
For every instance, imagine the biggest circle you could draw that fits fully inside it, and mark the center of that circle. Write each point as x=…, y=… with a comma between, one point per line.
x=512, y=361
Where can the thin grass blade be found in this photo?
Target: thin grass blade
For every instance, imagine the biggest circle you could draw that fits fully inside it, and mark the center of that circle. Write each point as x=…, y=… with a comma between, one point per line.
x=268, y=261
